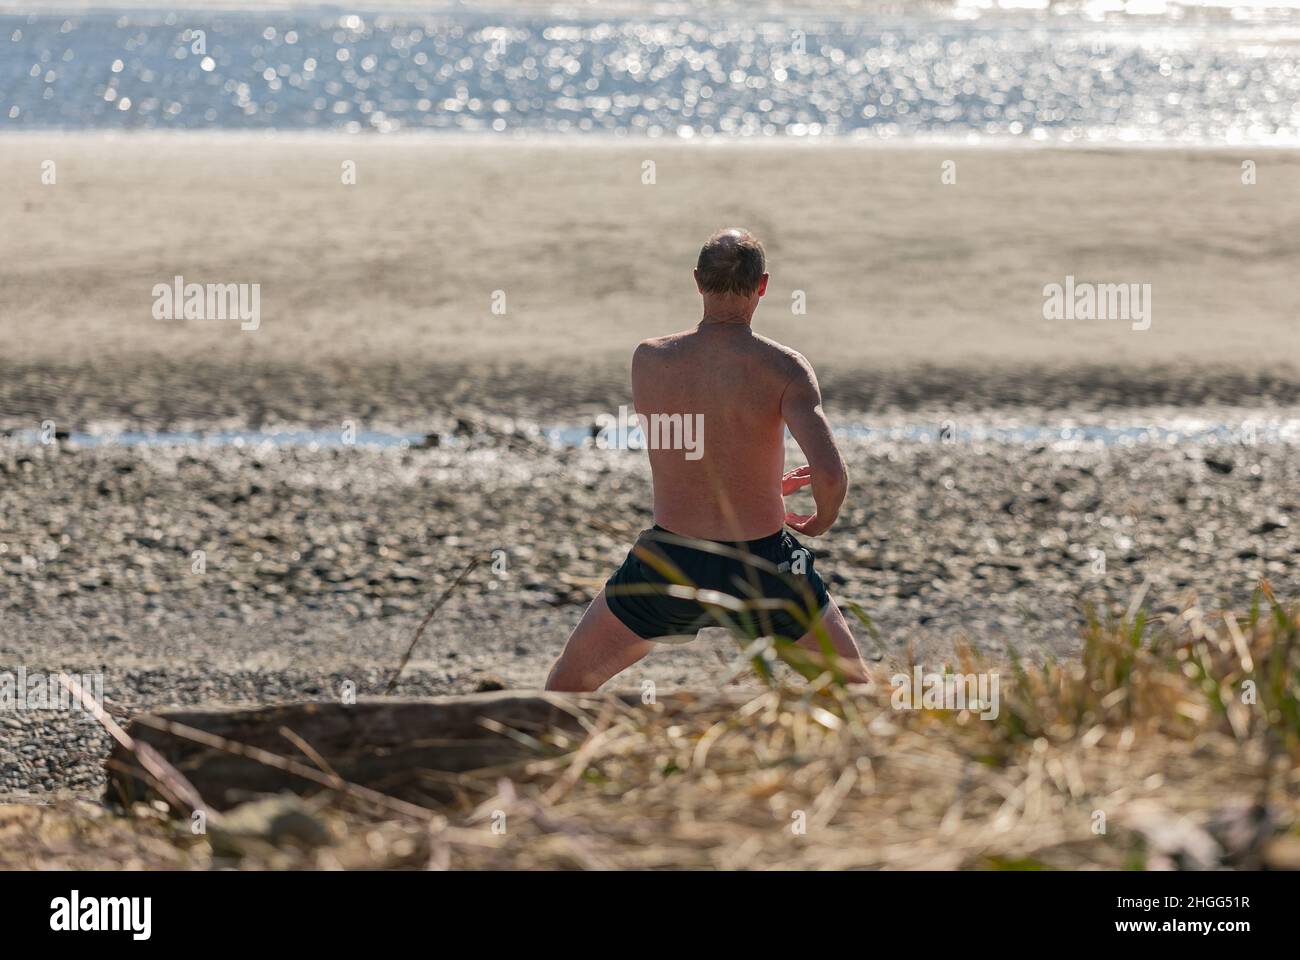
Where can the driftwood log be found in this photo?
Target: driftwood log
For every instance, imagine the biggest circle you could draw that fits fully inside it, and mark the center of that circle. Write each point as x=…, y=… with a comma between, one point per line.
x=402, y=747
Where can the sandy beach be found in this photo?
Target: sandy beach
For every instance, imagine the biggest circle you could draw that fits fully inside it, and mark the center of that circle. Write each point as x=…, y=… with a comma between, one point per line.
x=377, y=298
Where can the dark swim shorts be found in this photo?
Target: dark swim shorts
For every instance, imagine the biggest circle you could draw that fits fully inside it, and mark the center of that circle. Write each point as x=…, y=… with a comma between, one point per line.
x=638, y=592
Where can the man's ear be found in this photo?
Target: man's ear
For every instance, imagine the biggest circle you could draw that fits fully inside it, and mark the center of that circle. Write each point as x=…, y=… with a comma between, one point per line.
x=696, y=274
x=762, y=285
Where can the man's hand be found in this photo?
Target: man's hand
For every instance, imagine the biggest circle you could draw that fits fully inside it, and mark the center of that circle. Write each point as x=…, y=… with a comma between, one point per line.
x=793, y=481
x=809, y=526
x=796, y=479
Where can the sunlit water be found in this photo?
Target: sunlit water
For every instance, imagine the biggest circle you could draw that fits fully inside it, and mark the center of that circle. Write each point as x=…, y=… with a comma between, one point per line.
x=1027, y=75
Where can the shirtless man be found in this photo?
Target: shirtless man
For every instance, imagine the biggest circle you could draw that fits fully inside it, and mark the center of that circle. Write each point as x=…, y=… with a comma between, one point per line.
x=744, y=389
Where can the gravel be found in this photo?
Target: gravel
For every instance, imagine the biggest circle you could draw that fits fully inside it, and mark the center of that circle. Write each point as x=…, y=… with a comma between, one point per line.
x=192, y=574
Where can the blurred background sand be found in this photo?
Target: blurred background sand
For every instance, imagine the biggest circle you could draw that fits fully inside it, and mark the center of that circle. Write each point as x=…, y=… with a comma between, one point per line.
x=383, y=290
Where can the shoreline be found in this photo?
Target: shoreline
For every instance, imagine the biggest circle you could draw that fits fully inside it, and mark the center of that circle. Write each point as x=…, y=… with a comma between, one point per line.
x=1140, y=427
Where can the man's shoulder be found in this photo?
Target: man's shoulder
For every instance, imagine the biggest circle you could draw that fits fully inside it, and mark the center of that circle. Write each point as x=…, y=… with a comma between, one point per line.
x=651, y=344
x=784, y=358
x=772, y=353
x=657, y=346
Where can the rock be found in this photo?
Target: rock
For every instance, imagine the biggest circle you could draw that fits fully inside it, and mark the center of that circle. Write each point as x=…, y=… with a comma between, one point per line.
x=1268, y=526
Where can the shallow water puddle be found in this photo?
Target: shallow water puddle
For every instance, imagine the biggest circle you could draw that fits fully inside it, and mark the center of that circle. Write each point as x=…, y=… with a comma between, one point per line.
x=1183, y=428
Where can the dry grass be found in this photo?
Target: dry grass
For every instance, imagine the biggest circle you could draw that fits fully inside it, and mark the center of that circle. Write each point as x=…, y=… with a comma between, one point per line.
x=1148, y=733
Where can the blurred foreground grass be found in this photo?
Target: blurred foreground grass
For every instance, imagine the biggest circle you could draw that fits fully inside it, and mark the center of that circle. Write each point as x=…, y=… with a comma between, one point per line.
x=1171, y=742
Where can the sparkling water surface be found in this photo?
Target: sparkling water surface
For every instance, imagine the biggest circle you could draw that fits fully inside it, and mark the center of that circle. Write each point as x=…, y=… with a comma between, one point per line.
x=1030, y=75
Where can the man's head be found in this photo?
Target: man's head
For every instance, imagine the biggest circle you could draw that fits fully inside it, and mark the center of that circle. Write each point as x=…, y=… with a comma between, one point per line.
x=732, y=267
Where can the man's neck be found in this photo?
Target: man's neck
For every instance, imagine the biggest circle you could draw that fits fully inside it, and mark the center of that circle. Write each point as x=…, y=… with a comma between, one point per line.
x=725, y=319
x=723, y=310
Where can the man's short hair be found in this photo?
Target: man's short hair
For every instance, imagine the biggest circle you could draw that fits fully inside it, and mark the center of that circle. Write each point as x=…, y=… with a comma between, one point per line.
x=731, y=261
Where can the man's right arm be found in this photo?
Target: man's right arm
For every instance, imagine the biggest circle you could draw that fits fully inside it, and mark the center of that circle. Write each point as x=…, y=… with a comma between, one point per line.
x=801, y=406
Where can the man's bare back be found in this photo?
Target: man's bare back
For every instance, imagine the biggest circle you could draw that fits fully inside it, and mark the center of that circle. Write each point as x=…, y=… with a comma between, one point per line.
x=714, y=402
x=731, y=380
x=740, y=387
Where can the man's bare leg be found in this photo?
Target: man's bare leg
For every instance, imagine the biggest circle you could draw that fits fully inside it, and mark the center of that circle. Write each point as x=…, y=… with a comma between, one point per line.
x=841, y=637
x=600, y=646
